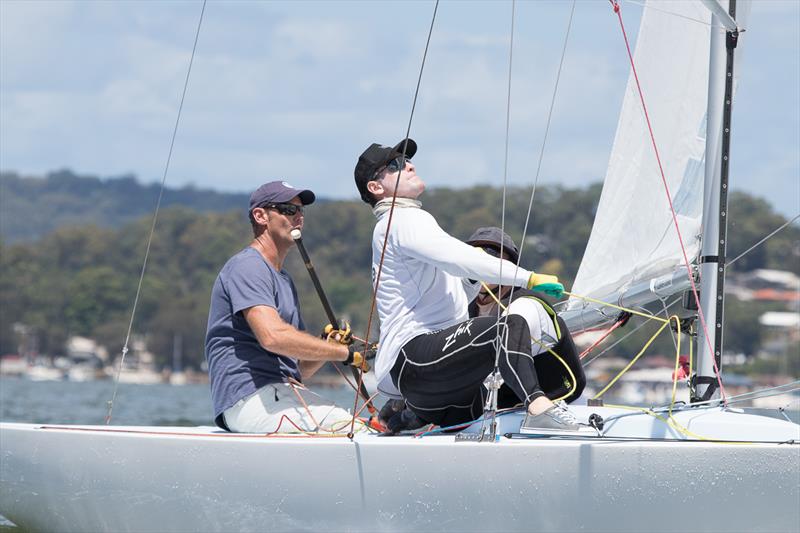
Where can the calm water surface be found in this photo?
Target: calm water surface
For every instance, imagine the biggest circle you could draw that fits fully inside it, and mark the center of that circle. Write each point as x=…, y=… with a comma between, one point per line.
x=67, y=402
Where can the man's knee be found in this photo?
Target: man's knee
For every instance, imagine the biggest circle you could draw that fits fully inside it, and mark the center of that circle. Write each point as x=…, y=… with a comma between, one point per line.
x=518, y=331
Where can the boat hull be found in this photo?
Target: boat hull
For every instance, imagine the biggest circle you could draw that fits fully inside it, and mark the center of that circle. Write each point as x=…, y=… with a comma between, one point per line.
x=198, y=479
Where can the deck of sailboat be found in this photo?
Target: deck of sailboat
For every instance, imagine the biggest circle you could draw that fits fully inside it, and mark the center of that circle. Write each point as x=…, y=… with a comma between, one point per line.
x=173, y=478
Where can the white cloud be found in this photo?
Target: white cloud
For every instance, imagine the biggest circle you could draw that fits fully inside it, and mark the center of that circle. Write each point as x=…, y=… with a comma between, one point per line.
x=298, y=89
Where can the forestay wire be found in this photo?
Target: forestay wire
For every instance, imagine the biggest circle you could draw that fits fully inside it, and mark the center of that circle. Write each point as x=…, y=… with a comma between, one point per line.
x=155, y=218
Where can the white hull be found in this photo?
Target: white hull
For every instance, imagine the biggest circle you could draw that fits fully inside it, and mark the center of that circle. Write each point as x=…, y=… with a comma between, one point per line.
x=198, y=479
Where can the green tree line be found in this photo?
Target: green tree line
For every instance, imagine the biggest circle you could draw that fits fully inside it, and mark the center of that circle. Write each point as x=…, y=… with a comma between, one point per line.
x=71, y=199
x=81, y=280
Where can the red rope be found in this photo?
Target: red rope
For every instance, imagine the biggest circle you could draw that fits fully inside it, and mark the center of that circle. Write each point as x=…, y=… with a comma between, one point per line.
x=617, y=10
x=603, y=337
x=187, y=434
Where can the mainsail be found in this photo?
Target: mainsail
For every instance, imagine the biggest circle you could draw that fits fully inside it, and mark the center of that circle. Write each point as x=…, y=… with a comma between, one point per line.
x=634, y=239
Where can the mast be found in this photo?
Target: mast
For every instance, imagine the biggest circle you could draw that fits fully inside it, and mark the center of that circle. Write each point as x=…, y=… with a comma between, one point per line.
x=714, y=243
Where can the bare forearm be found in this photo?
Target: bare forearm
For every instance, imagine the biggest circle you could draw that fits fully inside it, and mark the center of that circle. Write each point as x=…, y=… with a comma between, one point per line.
x=279, y=337
x=309, y=368
x=301, y=345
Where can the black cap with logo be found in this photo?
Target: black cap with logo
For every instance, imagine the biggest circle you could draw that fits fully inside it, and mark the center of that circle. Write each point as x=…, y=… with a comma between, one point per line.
x=375, y=157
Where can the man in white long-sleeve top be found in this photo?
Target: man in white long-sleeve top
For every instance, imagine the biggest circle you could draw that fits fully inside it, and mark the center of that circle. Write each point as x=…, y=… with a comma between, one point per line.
x=431, y=353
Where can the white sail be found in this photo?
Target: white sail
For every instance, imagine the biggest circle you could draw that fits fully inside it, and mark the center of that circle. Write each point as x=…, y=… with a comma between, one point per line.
x=634, y=237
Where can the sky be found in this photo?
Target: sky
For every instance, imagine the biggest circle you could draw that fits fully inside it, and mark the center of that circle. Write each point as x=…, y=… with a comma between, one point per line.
x=297, y=90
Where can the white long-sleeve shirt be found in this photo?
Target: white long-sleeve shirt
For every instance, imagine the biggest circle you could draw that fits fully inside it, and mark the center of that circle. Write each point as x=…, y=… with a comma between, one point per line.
x=423, y=285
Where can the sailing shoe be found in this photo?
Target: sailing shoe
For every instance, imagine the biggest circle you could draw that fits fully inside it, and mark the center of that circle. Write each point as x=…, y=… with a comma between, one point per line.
x=556, y=420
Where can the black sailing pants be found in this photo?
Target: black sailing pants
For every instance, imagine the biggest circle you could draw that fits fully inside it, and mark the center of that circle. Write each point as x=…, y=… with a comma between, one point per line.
x=440, y=374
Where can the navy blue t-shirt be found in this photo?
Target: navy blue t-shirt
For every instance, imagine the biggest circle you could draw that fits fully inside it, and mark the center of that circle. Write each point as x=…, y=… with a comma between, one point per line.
x=237, y=364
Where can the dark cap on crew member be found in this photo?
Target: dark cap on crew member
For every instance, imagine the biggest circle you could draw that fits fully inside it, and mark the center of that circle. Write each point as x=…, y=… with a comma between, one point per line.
x=494, y=237
x=279, y=192
x=375, y=157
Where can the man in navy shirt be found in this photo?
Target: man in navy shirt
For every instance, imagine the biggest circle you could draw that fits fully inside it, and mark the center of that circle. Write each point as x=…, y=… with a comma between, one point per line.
x=257, y=350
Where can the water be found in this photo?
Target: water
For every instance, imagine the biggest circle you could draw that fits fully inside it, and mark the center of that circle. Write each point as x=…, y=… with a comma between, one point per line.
x=66, y=402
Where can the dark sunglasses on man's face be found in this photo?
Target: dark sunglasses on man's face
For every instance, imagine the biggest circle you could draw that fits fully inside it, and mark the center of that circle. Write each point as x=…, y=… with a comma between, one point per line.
x=398, y=163
x=285, y=208
x=395, y=165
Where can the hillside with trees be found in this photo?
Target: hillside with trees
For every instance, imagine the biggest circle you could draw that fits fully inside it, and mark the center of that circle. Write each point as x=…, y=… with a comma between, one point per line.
x=32, y=207
x=81, y=279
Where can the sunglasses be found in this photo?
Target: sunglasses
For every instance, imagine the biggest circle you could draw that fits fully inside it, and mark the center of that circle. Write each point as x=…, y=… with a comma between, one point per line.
x=285, y=208
x=395, y=165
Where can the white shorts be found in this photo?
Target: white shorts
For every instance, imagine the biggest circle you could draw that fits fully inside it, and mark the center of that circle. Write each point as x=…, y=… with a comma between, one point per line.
x=543, y=332
x=276, y=408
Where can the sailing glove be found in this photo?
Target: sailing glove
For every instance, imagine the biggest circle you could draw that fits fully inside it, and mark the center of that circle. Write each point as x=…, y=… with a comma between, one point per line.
x=547, y=284
x=358, y=355
x=397, y=417
x=342, y=335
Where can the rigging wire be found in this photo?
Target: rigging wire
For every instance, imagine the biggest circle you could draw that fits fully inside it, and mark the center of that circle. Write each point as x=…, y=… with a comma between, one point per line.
x=732, y=261
x=544, y=139
x=761, y=393
x=394, y=197
x=649, y=5
x=155, y=217
x=539, y=165
x=505, y=173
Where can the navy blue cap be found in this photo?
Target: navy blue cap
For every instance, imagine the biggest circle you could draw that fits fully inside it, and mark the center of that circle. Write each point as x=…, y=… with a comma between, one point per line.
x=494, y=237
x=279, y=192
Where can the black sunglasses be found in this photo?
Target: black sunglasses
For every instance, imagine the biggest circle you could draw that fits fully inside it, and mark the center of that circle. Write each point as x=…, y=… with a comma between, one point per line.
x=395, y=165
x=284, y=208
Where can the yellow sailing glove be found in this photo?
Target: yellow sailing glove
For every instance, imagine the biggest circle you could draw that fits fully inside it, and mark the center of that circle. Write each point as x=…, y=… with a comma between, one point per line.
x=343, y=335
x=358, y=357
x=547, y=284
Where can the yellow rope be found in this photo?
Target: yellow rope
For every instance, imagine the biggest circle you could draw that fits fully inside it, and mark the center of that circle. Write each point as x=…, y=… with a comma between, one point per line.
x=670, y=419
x=629, y=365
x=631, y=311
x=674, y=424
x=677, y=363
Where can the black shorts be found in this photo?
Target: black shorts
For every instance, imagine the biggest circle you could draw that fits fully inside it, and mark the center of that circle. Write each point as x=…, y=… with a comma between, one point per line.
x=441, y=374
